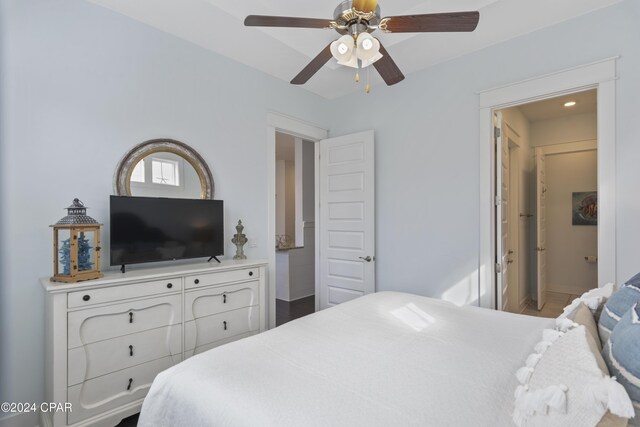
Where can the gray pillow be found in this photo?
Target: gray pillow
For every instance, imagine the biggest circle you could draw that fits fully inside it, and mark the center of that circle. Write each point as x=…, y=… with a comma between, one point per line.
x=616, y=306
x=622, y=355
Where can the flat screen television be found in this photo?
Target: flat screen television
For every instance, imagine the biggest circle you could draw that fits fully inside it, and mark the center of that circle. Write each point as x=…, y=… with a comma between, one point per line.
x=148, y=229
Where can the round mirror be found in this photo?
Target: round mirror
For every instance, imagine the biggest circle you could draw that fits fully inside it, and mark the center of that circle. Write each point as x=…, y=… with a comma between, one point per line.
x=163, y=168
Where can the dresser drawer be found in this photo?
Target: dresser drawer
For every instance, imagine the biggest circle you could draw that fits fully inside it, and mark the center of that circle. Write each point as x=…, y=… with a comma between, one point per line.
x=103, y=323
x=124, y=292
x=209, y=279
x=206, y=330
x=104, y=357
x=113, y=390
x=218, y=299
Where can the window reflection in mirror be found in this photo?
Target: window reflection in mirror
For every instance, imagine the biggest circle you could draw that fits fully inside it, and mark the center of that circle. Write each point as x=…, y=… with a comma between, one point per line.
x=165, y=174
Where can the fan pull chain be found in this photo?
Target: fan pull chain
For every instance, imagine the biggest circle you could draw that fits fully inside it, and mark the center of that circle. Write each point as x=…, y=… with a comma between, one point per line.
x=367, y=88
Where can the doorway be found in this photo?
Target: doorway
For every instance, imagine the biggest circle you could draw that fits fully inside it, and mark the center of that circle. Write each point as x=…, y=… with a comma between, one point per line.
x=546, y=216
x=295, y=227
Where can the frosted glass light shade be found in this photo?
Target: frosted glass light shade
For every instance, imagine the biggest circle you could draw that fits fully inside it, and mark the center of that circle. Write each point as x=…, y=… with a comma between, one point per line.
x=342, y=49
x=367, y=48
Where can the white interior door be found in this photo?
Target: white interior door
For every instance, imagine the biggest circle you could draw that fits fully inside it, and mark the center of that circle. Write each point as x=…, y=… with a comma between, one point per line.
x=347, y=218
x=502, y=214
x=541, y=228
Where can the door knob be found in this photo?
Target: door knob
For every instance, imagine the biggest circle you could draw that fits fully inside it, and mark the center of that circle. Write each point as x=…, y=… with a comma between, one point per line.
x=510, y=252
x=367, y=258
x=509, y=261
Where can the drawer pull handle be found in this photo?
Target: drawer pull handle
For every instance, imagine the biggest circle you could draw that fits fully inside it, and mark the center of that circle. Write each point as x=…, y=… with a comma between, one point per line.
x=130, y=350
x=224, y=298
x=129, y=386
x=86, y=298
x=225, y=325
x=196, y=281
x=131, y=317
x=169, y=285
x=251, y=273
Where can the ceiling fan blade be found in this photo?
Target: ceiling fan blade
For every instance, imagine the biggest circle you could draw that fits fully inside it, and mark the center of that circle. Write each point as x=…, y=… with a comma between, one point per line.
x=365, y=6
x=388, y=69
x=285, y=21
x=432, y=22
x=313, y=66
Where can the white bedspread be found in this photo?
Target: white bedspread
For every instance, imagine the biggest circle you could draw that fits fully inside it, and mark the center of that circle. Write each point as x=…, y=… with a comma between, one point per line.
x=386, y=359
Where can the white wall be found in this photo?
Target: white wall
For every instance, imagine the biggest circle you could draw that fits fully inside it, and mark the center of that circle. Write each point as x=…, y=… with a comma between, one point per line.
x=427, y=149
x=81, y=85
x=567, y=244
x=579, y=127
x=514, y=118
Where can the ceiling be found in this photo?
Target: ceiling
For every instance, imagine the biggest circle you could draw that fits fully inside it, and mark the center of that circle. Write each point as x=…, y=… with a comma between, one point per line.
x=217, y=25
x=586, y=102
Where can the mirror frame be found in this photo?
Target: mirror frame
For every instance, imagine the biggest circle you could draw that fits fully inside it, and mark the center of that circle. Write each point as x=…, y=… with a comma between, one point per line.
x=122, y=176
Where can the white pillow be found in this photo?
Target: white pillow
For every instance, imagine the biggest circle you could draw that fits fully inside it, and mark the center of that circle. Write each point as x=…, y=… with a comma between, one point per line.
x=594, y=299
x=563, y=384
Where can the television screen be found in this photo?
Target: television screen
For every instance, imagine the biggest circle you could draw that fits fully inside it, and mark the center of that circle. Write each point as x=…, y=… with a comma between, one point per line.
x=147, y=229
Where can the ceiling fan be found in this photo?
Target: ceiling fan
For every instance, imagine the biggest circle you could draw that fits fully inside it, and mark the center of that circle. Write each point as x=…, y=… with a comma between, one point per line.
x=357, y=48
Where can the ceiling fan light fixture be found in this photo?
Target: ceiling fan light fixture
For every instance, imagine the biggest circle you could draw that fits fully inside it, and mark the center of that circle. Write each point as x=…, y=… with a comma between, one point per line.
x=351, y=62
x=367, y=48
x=366, y=63
x=342, y=49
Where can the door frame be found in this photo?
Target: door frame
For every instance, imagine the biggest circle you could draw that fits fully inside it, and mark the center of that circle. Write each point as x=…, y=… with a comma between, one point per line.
x=277, y=122
x=513, y=144
x=600, y=75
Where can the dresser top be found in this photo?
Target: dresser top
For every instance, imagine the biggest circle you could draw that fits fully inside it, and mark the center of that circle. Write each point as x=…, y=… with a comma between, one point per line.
x=134, y=273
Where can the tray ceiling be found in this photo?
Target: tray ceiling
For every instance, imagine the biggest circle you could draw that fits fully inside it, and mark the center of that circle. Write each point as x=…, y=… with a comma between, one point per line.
x=217, y=25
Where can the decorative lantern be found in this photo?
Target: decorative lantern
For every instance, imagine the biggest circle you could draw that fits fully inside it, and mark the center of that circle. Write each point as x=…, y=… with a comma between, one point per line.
x=76, y=246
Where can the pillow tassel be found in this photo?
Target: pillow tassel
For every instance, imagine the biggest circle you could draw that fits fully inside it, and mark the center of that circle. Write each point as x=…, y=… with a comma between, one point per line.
x=556, y=397
x=564, y=324
x=551, y=335
x=610, y=394
x=542, y=346
x=569, y=309
x=533, y=360
x=520, y=391
x=593, y=302
x=524, y=374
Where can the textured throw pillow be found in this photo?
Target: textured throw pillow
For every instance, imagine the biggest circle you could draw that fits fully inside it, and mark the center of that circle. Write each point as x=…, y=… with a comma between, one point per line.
x=617, y=306
x=622, y=354
x=565, y=383
x=583, y=316
x=595, y=299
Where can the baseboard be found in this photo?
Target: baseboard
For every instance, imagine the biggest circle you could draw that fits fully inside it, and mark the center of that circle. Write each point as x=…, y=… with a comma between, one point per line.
x=571, y=290
x=524, y=303
x=297, y=298
x=24, y=419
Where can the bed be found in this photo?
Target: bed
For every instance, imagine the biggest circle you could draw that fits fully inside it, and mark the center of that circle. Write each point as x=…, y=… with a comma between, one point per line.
x=380, y=360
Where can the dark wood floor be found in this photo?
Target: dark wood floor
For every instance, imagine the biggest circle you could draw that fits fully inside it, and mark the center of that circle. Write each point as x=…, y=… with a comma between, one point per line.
x=285, y=312
x=288, y=311
x=132, y=421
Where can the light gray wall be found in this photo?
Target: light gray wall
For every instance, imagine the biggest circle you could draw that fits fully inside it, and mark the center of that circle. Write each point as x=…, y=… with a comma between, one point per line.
x=82, y=85
x=427, y=148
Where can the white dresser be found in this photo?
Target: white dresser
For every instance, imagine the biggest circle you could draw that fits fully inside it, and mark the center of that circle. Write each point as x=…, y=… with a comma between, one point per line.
x=107, y=339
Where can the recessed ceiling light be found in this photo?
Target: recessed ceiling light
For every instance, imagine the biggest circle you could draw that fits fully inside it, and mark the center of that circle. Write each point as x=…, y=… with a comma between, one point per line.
x=570, y=104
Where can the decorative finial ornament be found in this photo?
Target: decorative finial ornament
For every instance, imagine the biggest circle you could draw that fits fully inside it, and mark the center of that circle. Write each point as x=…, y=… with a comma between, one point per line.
x=239, y=239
